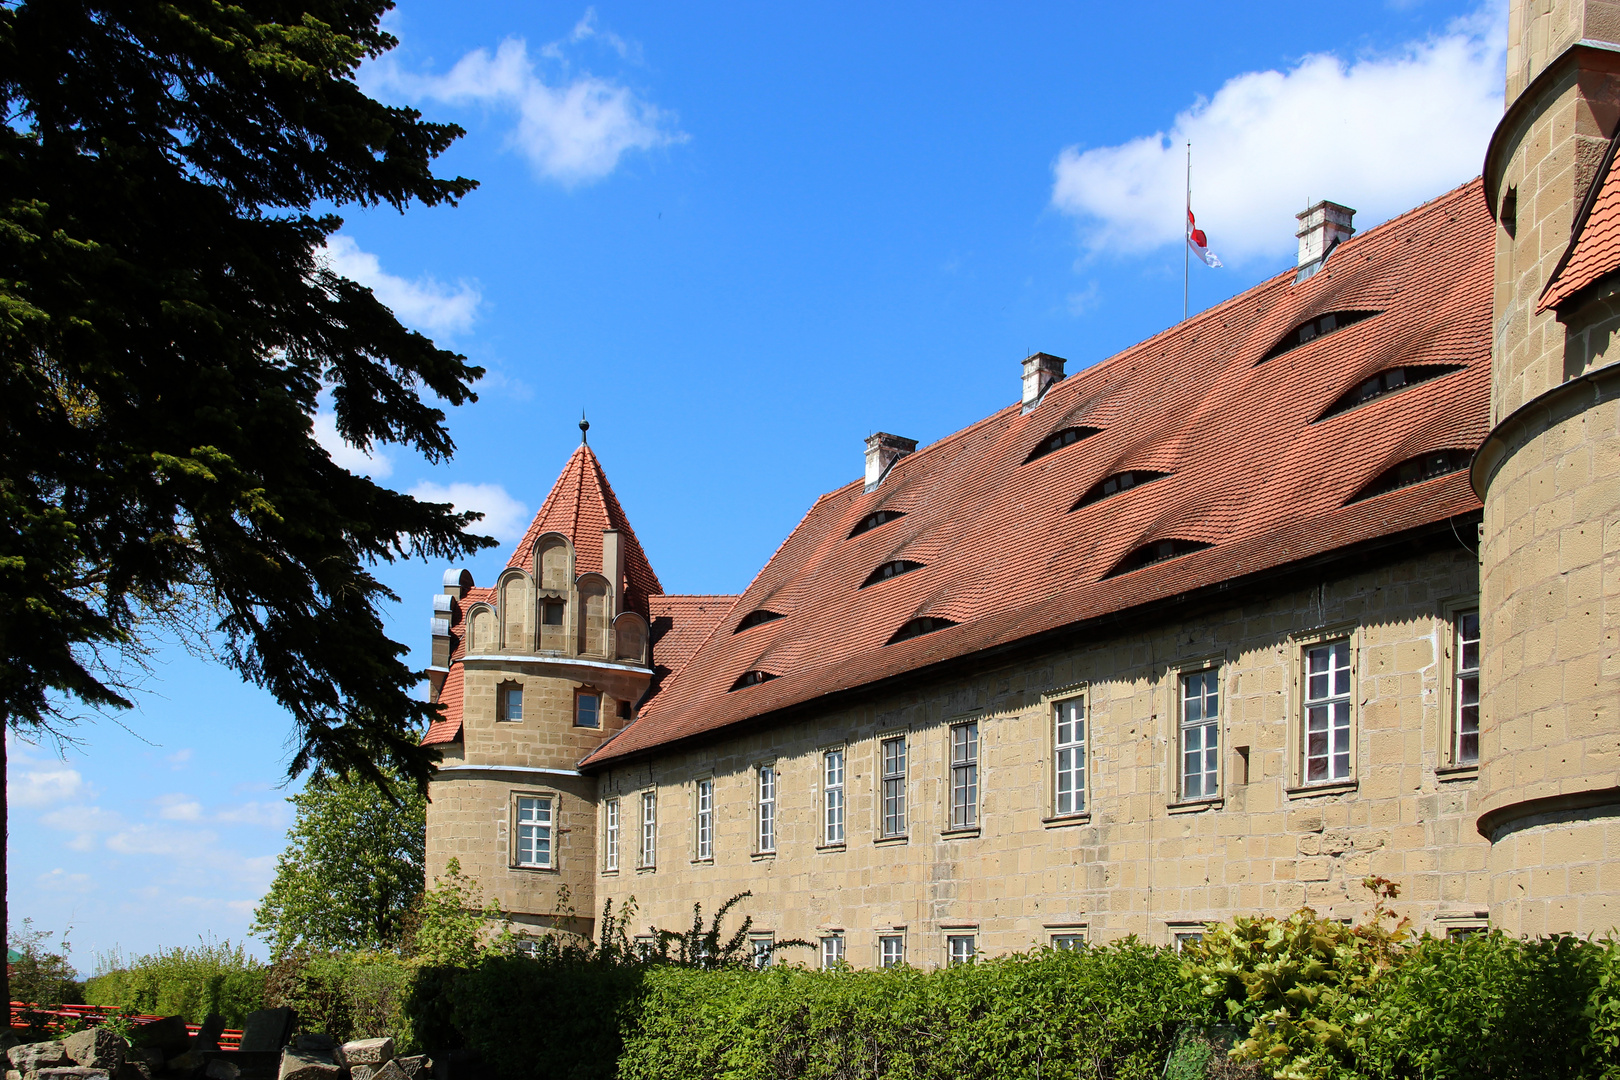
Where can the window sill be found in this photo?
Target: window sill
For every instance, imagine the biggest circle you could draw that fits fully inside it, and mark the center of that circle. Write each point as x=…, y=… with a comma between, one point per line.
x=1331, y=787
x=1066, y=820
x=840, y=846
x=646, y=869
x=888, y=841
x=763, y=856
x=533, y=869
x=703, y=862
x=1195, y=806
x=1451, y=774
x=610, y=873
x=959, y=834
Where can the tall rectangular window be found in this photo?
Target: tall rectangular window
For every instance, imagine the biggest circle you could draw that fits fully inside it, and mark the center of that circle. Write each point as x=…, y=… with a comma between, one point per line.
x=1069, y=757
x=767, y=808
x=511, y=702
x=832, y=796
x=763, y=947
x=891, y=950
x=894, y=786
x=705, y=819
x=1327, y=712
x=832, y=950
x=960, y=948
x=1200, y=734
x=610, y=836
x=534, y=831
x=649, y=829
x=588, y=710
x=1465, y=692
x=964, y=775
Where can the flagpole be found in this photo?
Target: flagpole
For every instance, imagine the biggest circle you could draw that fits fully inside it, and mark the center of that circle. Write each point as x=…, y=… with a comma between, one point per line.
x=1184, y=255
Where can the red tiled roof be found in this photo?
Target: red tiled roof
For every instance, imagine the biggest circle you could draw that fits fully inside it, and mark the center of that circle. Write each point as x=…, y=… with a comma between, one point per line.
x=682, y=623
x=1594, y=246
x=447, y=728
x=1252, y=473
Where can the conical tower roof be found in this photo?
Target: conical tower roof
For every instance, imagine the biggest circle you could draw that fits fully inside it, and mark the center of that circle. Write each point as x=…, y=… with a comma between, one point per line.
x=581, y=505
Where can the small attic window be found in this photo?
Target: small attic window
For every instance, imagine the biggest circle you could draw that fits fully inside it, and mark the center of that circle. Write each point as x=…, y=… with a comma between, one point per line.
x=1415, y=471
x=1117, y=483
x=754, y=618
x=873, y=520
x=1387, y=382
x=918, y=627
x=751, y=678
x=1309, y=331
x=1059, y=439
x=889, y=570
x=1156, y=552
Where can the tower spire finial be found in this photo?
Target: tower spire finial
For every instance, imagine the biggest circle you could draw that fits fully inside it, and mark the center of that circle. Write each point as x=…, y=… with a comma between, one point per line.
x=584, y=428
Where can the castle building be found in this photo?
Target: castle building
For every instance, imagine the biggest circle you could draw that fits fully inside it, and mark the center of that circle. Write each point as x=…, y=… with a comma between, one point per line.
x=1313, y=586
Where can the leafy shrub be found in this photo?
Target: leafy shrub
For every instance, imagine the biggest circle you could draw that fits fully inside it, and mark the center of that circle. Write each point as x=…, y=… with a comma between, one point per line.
x=358, y=995
x=210, y=977
x=41, y=976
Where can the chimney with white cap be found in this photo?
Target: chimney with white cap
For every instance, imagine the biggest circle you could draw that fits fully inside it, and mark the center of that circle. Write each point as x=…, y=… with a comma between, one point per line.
x=882, y=451
x=1322, y=228
x=1040, y=371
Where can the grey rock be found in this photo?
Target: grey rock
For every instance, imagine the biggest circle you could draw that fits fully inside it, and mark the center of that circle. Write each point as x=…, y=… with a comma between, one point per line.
x=75, y=1072
x=366, y=1052
x=267, y=1029
x=13, y=1074
x=184, y=1064
x=168, y=1035
x=95, y=1048
x=220, y=1069
x=308, y=1065
x=207, y=1037
x=415, y=1066
x=361, y=1072
x=149, y=1056
x=133, y=1070
x=316, y=1042
x=31, y=1057
x=390, y=1071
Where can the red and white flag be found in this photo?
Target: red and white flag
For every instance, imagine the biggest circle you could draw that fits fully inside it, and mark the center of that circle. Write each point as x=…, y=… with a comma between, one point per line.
x=1199, y=242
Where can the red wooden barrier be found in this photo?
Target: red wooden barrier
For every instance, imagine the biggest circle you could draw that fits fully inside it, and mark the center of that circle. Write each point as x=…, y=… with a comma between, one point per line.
x=57, y=1017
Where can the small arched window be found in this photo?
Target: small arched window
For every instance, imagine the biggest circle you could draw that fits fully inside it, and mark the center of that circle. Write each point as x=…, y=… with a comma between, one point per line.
x=751, y=678
x=890, y=569
x=1415, y=471
x=1312, y=329
x=918, y=627
x=1117, y=483
x=874, y=519
x=754, y=618
x=1059, y=439
x=1387, y=381
x=1156, y=552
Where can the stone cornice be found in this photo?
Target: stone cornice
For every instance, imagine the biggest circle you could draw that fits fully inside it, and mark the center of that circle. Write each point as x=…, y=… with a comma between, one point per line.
x=506, y=659
x=522, y=770
x=1602, y=53
x=1494, y=823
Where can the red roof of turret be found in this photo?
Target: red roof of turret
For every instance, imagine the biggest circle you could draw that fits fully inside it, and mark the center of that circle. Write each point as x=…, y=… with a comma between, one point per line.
x=1594, y=245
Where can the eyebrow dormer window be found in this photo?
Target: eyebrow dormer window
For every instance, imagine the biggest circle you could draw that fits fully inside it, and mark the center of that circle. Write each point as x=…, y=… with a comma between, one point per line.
x=754, y=618
x=1059, y=439
x=752, y=678
x=918, y=627
x=1156, y=552
x=1308, y=332
x=873, y=520
x=889, y=570
x=1387, y=382
x=1117, y=483
x=1415, y=471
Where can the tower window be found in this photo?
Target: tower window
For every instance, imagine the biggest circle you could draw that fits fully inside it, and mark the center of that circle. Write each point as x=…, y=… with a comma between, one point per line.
x=1387, y=382
x=588, y=710
x=751, y=678
x=755, y=618
x=1415, y=471
x=890, y=569
x=1117, y=483
x=553, y=614
x=873, y=520
x=1059, y=439
x=1156, y=552
x=1510, y=212
x=509, y=699
x=918, y=627
x=1307, y=332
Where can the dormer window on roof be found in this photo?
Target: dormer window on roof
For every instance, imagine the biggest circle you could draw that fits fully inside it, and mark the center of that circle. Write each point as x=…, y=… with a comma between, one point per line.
x=751, y=678
x=1307, y=332
x=889, y=570
x=1156, y=552
x=1387, y=382
x=918, y=627
x=1415, y=471
x=1059, y=439
x=874, y=519
x=754, y=618
x=1117, y=483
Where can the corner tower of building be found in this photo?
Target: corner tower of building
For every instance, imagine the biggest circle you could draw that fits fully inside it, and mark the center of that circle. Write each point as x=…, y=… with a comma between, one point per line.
x=1549, y=473
x=535, y=672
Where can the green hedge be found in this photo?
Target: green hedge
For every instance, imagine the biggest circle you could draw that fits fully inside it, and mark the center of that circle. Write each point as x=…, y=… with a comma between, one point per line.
x=358, y=995
x=191, y=982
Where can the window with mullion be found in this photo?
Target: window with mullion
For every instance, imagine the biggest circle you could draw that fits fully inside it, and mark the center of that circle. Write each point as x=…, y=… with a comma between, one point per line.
x=964, y=776
x=767, y=808
x=894, y=786
x=705, y=819
x=610, y=859
x=1200, y=734
x=1069, y=757
x=1327, y=712
x=649, y=829
x=534, y=831
x=833, y=796
x=1465, y=692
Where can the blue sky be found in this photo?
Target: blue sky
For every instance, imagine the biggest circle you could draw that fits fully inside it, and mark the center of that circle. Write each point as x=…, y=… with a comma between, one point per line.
x=742, y=239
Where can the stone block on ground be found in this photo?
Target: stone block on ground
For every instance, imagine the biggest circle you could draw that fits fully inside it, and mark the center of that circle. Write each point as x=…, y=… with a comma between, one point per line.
x=242, y=1064
x=207, y=1037
x=150, y=1056
x=415, y=1066
x=184, y=1064
x=267, y=1029
x=315, y=1041
x=31, y=1057
x=168, y=1035
x=390, y=1071
x=361, y=1072
x=96, y=1048
x=366, y=1052
x=75, y=1072
x=133, y=1070
x=308, y=1065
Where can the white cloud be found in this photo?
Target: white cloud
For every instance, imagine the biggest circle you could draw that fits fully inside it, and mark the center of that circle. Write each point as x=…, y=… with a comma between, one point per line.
x=425, y=304
x=185, y=844
x=573, y=132
x=1381, y=134
x=179, y=808
x=268, y=814
x=504, y=517
x=179, y=758
x=42, y=787
x=376, y=464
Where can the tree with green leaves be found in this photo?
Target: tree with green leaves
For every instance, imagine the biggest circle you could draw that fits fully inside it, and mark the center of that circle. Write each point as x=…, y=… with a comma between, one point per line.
x=169, y=174
x=351, y=872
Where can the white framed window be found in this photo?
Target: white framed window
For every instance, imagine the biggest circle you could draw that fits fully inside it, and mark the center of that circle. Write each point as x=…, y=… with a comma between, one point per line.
x=961, y=948
x=832, y=950
x=1200, y=734
x=1068, y=940
x=1069, y=756
x=610, y=836
x=1327, y=712
x=767, y=808
x=1465, y=689
x=965, y=775
x=649, y=830
x=646, y=947
x=891, y=950
x=832, y=796
x=893, y=753
x=587, y=709
x=763, y=948
x=705, y=819
x=1183, y=937
x=534, y=830
x=509, y=704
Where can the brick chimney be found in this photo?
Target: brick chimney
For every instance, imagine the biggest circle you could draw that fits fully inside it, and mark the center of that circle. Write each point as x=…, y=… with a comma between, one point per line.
x=1322, y=228
x=882, y=451
x=1040, y=372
